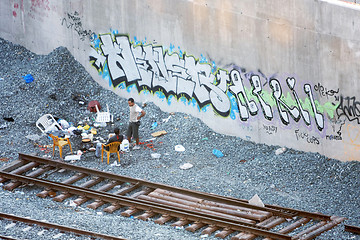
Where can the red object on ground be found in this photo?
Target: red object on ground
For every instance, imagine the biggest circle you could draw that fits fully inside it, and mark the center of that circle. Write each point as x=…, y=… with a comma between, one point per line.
x=91, y=106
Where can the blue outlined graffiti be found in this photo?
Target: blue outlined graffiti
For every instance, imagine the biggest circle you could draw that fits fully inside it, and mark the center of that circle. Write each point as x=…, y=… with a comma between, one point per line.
x=178, y=76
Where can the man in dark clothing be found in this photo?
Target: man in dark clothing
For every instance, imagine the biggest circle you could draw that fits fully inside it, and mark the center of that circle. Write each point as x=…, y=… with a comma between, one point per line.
x=116, y=138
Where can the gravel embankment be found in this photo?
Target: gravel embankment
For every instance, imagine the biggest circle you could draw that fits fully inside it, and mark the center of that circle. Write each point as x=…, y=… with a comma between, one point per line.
x=294, y=179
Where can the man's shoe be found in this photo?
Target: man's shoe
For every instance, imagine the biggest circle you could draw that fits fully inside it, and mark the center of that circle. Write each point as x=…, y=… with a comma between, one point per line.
x=137, y=147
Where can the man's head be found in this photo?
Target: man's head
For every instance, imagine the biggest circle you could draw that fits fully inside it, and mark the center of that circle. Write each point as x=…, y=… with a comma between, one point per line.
x=131, y=102
x=116, y=131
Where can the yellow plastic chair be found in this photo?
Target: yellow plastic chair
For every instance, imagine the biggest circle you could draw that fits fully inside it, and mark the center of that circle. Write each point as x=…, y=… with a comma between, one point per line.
x=60, y=142
x=113, y=147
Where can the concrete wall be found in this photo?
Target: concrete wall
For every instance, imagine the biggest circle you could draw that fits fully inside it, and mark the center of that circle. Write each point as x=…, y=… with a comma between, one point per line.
x=280, y=72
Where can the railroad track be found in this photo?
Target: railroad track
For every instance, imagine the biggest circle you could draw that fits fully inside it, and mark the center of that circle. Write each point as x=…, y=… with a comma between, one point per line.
x=164, y=204
x=42, y=228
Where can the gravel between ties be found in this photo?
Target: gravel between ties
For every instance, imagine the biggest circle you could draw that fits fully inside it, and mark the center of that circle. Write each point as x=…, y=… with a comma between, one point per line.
x=294, y=179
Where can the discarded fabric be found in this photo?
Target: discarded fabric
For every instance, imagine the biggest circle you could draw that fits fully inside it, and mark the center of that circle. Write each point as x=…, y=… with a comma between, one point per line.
x=179, y=148
x=217, y=153
x=186, y=166
x=72, y=157
x=155, y=155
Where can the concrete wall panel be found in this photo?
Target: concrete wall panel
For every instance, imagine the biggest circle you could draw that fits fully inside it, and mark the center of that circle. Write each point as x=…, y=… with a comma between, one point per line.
x=279, y=72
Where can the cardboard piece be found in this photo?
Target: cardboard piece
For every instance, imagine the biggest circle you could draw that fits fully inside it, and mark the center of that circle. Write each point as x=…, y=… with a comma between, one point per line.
x=159, y=133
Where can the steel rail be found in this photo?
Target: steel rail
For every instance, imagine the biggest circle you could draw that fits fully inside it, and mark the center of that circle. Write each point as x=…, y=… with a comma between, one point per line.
x=56, y=226
x=275, y=210
x=210, y=197
x=353, y=229
x=149, y=206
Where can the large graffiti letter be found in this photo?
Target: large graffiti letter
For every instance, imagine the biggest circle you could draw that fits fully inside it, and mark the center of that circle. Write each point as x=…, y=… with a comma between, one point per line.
x=318, y=117
x=198, y=73
x=97, y=59
x=177, y=71
x=277, y=92
x=291, y=83
x=144, y=68
x=161, y=78
x=238, y=89
x=120, y=60
x=257, y=89
x=219, y=100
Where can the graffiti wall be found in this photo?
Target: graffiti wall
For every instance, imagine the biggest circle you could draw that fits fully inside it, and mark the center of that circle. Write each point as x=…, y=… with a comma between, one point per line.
x=283, y=73
x=315, y=114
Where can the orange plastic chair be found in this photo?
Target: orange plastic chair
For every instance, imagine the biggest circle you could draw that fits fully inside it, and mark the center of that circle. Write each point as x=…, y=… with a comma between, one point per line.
x=60, y=142
x=113, y=147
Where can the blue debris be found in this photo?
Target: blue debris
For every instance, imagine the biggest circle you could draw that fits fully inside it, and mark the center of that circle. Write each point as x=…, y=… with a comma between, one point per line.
x=28, y=78
x=217, y=153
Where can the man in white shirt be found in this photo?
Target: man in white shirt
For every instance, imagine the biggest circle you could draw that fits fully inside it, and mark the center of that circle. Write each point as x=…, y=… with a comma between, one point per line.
x=136, y=113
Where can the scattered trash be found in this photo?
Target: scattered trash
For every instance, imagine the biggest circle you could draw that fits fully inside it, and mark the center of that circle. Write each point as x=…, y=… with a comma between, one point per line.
x=63, y=123
x=205, y=139
x=217, y=153
x=178, y=227
x=99, y=213
x=149, y=140
x=4, y=159
x=280, y=151
x=92, y=149
x=72, y=157
x=186, y=166
x=100, y=124
x=165, y=120
x=9, y=119
x=144, y=104
x=72, y=203
x=179, y=148
x=93, y=131
x=204, y=236
x=124, y=146
x=155, y=155
x=28, y=78
x=242, y=160
x=159, y=133
x=154, y=125
x=115, y=164
x=91, y=106
x=256, y=201
x=3, y=126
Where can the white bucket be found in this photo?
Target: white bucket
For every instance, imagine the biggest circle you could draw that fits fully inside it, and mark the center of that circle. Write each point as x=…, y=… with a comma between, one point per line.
x=124, y=145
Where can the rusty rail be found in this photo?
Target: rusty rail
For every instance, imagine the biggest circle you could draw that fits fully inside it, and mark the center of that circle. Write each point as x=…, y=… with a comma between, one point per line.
x=353, y=229
x=55, y=226
x=144, y=199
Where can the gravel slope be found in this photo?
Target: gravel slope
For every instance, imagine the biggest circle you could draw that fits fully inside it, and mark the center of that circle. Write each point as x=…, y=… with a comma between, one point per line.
x=294, y=179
